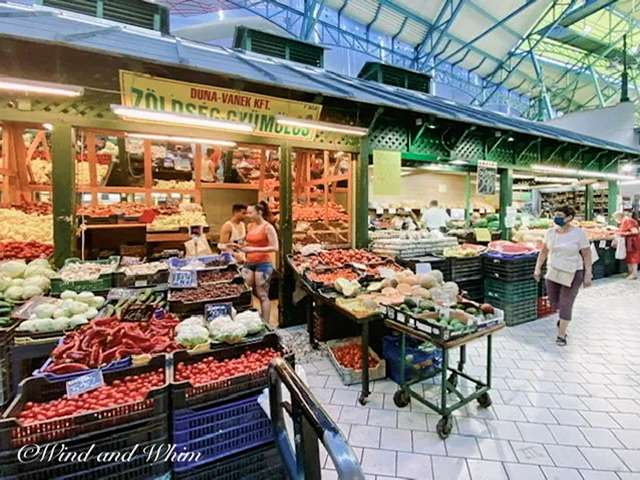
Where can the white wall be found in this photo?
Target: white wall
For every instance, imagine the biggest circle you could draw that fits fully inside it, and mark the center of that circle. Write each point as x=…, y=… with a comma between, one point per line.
x=614, y=124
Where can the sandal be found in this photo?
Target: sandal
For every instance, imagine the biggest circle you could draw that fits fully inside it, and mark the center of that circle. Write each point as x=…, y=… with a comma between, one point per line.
x=561, y=341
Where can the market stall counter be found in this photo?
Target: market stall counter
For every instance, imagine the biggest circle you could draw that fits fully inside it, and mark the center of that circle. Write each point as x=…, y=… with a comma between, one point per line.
x=362, y=319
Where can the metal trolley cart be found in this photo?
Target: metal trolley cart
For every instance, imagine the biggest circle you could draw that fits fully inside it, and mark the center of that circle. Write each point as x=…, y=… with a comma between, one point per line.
x=424, y=330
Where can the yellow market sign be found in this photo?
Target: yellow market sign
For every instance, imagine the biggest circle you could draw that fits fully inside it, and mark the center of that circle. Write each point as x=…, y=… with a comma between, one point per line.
x=155, y=93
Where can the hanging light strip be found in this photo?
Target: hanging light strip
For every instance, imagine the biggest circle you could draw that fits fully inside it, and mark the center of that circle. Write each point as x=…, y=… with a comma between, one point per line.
x=325, y=126
x=44, y=88
x=129, y=113
x=580, y=173
x=172, y=139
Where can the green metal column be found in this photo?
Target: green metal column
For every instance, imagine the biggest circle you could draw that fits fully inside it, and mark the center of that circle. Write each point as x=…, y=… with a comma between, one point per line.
x=361, y=204
x=467, y=199
x=64, y=192
x=506, y=197
x=287, y=284
x=614, y=190
x=588, y=202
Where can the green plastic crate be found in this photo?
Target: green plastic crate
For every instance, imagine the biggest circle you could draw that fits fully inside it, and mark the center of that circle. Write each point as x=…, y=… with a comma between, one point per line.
x=102, y=283
x=509, y=291
x=519, y=312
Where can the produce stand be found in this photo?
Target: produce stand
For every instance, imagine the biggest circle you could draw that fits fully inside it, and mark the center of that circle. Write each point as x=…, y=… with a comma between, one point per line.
x=448, y=376
x=362, y=321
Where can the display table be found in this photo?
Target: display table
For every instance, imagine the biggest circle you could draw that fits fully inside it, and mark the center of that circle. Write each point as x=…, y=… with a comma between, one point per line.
x=447, y=385
x=362, y=321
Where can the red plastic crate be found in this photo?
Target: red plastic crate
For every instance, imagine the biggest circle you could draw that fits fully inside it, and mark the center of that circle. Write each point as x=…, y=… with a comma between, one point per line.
x=544, y=307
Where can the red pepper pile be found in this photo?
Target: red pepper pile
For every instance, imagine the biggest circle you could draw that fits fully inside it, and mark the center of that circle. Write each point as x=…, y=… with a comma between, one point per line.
x=131, y=389
x=25, y=250
x=350, y=356
x=38, y=208
x=105, y=340
x=211, y=370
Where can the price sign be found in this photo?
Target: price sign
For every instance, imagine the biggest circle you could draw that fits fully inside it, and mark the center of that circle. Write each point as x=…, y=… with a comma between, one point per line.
x=602, y=244
x=379, y=211
x=183, y=279
x=215, y=310
x=422, y=268
x=482, y=234
x=392, y=210
x=84, y=383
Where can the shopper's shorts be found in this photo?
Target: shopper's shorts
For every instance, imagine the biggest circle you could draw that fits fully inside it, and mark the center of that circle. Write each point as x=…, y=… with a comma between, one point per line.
x=266, y=268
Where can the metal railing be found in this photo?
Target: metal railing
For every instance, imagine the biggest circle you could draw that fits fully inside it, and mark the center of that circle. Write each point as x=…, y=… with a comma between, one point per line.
x=311, y=424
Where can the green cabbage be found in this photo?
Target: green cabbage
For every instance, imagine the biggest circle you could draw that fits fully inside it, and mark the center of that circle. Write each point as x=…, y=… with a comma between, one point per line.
x=30, y=291
x=39, y=281
x=45, y=310
x=14, y=293
x=68, y=295
x=5, y=282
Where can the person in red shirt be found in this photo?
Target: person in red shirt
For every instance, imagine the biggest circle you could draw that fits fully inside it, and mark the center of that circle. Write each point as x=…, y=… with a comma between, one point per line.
x=261, y=243
x=630, y=231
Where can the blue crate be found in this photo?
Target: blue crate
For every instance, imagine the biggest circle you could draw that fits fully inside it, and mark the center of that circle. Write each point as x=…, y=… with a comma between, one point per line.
x=422, y=365
x=220, y=431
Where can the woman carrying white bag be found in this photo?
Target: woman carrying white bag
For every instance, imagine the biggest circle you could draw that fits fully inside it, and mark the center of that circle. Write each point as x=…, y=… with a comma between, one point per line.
x=569, y=253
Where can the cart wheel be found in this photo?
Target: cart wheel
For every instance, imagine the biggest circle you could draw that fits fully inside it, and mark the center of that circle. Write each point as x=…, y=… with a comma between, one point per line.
x=401, y=398
x=452, y=382
x=484, y=400
x=444, y=427
x=362, y=399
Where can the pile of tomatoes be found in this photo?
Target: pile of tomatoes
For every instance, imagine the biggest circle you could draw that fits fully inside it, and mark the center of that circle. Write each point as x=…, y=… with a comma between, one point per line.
x=210, y=370
x=350, y=356
x=25, y=250
x=131, y=389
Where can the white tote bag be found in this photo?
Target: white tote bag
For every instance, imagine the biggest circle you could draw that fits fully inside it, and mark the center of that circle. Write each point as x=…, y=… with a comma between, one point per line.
x=621, y=249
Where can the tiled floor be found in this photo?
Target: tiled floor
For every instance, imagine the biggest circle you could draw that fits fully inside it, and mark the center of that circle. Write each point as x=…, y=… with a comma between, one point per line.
x=558, y=413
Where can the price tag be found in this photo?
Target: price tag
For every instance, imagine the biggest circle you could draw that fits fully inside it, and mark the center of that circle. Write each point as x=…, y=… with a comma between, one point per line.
x=215, y=310
x=422, y=268
x=392, y=210
x=482, y=234
x=183, y=279
x=84, y=383
x=602, y=244
x=141, y=283
x=379, y=211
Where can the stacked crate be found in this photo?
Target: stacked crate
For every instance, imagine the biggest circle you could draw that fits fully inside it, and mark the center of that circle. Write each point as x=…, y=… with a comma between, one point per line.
x=130, y=429
x=220, y=420
x=467, y=273
x=509, y=285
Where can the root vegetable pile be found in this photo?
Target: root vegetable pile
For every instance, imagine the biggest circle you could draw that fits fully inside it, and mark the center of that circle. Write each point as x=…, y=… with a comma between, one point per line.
x=105, y=340
x=207, y=292
x=215, y=276
x=350, y=356
x=329, y=277
x=210, y=370
x=338, y=258
x=131, y=389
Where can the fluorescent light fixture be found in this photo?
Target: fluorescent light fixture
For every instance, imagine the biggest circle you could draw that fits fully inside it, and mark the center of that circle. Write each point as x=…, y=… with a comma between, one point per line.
x=510, y=139
x=554, y=180
x=459, y=162
x=629, y=183
x=44, y=88
x=326, y=126
x=47, y=126
x=580, y=173
x=138, y=114
x=629, y=168
x=172, y=139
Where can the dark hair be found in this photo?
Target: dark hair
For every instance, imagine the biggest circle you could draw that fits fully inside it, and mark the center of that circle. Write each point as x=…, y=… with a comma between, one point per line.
x=238, y=207
x=263, y=208
x=567, y=210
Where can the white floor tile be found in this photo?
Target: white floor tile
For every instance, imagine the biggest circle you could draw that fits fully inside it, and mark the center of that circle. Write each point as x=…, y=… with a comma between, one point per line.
x=535, y=432
x=603, y=459
x=396, y=439
x=364, y=436
x=631, y=458
x=601, y=437
x=499, y=450
x=566, y=435
x=379, y=462
x=597, y=475
x=461, y=446
x=383, y=418
x=630, y=438
x=485, y=470
x=450, y=468
x=533, y=453
x=428, y=442
x=554, y=473
x=356, y=415
x=412, y=420
x=414, y=466
x=519, y=471
x=563, y=456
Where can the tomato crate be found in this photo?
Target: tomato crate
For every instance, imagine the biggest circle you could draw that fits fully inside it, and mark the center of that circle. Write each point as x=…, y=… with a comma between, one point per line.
x=186, y=395
x=221, y=431
x=464, y=269
x=426, y=325
x=139, y=467
x=13, y=433
x=260, y=463
x=349, y=376
x=123, y=438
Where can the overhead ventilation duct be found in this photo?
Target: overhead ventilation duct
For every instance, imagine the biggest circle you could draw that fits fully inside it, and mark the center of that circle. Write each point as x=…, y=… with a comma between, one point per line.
x=395, y=76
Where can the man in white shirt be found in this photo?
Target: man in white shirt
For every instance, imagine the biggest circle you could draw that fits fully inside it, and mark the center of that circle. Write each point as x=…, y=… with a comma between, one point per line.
x=435, y=218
